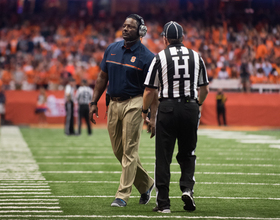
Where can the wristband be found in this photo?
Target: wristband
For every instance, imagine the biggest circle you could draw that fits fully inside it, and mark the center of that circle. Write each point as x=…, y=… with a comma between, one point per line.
x=93, y=103
x=199, y=104
x=145, y=111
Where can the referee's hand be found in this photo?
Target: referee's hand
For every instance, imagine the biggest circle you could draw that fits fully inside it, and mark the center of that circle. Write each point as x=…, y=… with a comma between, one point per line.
x=93, y=110
x=151, y=125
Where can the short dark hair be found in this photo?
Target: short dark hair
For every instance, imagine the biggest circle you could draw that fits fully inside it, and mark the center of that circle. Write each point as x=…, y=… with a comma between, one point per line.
x=175, y=41
x=134, y=16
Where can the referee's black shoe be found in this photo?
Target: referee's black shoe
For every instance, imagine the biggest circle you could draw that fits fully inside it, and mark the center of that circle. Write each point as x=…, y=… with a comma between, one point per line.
x=145, y=197
x=187, y=198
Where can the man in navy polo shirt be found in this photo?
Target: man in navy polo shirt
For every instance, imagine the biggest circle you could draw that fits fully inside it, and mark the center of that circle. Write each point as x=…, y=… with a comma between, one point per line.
x=124, y=66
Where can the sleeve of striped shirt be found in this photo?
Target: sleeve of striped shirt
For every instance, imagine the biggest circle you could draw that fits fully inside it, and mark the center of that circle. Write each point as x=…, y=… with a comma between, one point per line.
x=202, y=78
x=152, y=75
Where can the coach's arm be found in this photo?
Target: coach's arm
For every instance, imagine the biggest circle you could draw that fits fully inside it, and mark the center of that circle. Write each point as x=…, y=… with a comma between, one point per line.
x=100, y=86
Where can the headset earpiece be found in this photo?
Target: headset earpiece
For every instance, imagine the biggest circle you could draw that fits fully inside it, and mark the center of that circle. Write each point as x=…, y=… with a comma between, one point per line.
x=142, y=29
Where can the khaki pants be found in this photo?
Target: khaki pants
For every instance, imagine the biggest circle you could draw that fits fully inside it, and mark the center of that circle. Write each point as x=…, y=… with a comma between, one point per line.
x=125, y=126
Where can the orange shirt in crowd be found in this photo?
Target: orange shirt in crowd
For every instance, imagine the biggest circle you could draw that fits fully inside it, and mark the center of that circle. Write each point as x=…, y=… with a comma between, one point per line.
x=30, y=76
x=151, y=45
x=216, y=36
x=277, y=51
x=93, y=72
x=13, y=44
x=261, y=51
x=269, y=44
x=42, y=77
x=71, y=69
x=78, y=79
x=211, y=73
x=258, y=78
x=6, y=77
x=275, y=76
x=54, y=73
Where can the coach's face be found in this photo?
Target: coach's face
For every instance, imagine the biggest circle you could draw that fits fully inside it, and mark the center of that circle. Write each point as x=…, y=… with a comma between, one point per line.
x=130, y=29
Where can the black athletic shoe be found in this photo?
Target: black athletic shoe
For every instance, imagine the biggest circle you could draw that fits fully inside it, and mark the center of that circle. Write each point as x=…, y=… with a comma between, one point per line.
x=145, y=197
x=187, y=198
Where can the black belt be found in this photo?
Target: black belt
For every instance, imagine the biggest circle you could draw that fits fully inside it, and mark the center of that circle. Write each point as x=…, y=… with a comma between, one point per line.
x=119, y=99
x=182, y=99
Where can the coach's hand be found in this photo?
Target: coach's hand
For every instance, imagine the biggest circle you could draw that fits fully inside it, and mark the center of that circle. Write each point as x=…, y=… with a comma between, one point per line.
x=93, y=110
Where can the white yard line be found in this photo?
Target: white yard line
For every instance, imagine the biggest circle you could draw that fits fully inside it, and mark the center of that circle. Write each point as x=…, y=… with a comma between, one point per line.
x=28, y=203
x=15, y=183
x=26, y=193
x=18, y=190
x=7, y=187
x=145, y=157
x=29, y=207
x=173, y=197
x=173, y=164
x=160, y=216
x=17, y=164
x=205, y=183
x=30, y=211
x=241, y=137
x=24, y=200
x=275, y=146
x=172, y=172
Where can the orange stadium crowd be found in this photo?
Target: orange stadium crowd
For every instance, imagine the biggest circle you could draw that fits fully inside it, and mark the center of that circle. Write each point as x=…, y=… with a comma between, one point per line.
x=37, y=54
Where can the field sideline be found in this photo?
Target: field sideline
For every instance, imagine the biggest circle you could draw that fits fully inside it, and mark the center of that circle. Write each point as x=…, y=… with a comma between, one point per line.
x=47, y=175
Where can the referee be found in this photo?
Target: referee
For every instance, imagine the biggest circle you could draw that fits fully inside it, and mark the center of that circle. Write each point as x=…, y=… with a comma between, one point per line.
x=176, y=72
x=84, y=95
x=69, y=106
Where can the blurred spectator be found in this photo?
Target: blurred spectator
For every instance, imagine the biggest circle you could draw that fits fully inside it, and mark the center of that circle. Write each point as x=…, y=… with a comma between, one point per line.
x=223, y=73
x=2, y=104
x=29, y=73
x=259, y=77
x=41, y=106
x=274, y=77
x=41, y=76
x=234, y=72
x=55, y=70
x=245, y=76
x=92, y=73
x=6, y=77
x=221, y=108
x=18, y=77
x=267, y=67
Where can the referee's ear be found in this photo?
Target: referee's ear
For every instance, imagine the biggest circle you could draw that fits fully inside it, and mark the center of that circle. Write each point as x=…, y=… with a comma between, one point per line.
x=165, y=41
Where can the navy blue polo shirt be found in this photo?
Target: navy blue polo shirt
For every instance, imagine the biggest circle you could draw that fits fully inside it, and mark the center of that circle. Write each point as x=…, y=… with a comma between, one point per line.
x=126, y=68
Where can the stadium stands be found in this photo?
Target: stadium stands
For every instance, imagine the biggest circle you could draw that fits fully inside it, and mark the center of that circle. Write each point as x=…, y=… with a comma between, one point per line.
x=38, y=49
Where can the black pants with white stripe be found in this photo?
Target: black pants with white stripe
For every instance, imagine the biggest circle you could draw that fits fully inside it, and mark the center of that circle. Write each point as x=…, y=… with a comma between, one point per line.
x=175, y=121
x=84, y=113
x=69, y=118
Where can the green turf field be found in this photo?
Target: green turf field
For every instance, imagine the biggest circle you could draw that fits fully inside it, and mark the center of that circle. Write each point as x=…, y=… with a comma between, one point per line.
x=47, y=175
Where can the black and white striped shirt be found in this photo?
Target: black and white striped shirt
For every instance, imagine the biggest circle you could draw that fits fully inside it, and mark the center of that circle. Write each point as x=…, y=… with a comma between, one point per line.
x=84, y=95
x=177, y=72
